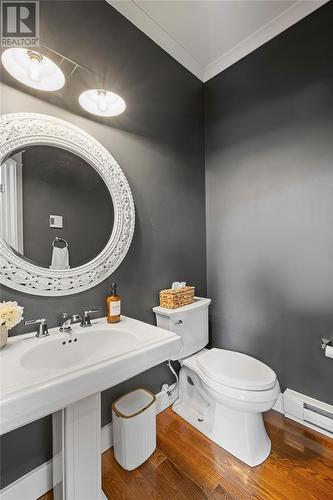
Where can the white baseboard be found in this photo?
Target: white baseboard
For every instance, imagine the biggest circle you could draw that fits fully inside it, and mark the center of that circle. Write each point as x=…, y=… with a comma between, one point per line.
x=106, y=437
x=36, y=483
x=31, y=485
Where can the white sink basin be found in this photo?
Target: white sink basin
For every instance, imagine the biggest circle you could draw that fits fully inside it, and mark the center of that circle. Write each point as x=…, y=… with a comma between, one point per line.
x=89, y=346
x=41, y=376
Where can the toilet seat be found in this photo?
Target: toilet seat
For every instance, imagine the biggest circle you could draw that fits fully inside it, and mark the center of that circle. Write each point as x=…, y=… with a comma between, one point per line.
x=236, y=370
x=259, y=395
x=232, y=393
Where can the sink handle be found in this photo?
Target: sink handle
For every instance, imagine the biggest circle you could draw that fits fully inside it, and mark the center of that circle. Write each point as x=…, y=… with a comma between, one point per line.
x=91, y=311
x=86, y=321
x=42, y=330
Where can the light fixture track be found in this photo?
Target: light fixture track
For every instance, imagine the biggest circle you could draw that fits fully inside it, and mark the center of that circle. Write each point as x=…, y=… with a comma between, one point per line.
x=74, y=63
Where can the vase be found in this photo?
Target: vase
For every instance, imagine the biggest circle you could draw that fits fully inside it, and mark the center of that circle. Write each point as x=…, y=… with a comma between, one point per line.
x=3, y=336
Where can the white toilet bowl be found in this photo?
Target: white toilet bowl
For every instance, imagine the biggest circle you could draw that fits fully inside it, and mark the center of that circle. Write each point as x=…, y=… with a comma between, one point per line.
x=223, y=394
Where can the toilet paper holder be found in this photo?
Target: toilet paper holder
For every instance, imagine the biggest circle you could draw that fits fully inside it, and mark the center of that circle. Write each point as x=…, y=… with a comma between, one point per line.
x=326, y=342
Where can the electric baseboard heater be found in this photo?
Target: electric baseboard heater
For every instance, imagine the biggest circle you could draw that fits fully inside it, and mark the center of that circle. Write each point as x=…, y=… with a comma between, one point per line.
x=309, y=411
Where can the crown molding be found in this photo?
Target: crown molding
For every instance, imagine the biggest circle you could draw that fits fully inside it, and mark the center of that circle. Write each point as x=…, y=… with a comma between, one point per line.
x=277, y=25
x=135, y=14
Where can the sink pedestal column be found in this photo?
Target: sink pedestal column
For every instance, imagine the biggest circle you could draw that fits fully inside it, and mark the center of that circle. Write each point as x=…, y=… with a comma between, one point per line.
x=77, y=451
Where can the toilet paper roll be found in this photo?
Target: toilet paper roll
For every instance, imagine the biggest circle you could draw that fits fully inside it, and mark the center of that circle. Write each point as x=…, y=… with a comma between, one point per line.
x=329, y=351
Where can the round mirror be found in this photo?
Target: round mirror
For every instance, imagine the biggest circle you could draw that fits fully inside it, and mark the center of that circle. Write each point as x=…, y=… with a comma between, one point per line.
x=56, y=211
x=66, y=210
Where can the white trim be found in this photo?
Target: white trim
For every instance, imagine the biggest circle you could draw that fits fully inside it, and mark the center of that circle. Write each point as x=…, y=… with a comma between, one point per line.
x=132, y=10
x=32, y=485
x=11, y=213
x=106, y=437
x=274, y=27
x=37, y=482
x=141, y=19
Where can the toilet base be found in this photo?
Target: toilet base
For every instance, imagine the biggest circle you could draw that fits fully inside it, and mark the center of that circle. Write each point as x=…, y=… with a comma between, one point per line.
x=242, y=434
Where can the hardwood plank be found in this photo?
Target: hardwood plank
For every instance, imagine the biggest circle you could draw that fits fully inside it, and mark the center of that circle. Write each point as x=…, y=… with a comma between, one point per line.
x=115, y=490
x=157, y=480
x=181, y=480
x=227, y=493
x=181, y=496
x=301, y=445
x=157, y=457
x=273, y=474
x=132, y=483
x=296, y=456
x=47, y=496
x=306, y=465
x=311, y=438
x=185, y=455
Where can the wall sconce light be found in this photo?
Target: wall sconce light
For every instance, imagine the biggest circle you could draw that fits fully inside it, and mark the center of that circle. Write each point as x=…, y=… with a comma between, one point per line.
x=33, y=69
x=102, y=102
x=38, y=71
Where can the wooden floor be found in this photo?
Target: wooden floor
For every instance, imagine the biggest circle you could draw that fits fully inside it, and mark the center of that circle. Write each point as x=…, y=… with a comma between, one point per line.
x=187, y=465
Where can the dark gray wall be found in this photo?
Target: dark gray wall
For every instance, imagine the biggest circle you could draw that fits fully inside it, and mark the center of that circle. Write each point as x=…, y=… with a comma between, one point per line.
x=57, y=182
x=158, y=143
x=269, y=192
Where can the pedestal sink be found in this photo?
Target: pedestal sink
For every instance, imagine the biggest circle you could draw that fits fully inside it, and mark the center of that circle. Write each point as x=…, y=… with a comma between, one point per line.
x=64, y=374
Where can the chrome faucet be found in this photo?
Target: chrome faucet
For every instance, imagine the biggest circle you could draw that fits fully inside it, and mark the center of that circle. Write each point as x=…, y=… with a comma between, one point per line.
x=65, y=323
x=42, y=330
x=67, y=320
x=86, y=321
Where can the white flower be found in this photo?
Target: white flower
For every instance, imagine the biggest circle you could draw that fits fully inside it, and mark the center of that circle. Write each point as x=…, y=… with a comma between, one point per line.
x=10, y=314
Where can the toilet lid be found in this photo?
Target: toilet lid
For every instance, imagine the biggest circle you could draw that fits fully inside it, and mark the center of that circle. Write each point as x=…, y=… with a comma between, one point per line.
x=236, y=370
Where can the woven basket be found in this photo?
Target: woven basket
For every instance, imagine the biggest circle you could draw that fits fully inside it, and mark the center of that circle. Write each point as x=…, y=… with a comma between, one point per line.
x=171, y=299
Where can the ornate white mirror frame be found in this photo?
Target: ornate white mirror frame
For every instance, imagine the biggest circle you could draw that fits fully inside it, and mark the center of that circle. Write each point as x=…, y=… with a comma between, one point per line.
x=18, y=130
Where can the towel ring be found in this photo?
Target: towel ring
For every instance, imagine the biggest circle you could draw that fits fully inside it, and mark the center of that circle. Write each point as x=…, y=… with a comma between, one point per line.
x=59, y=239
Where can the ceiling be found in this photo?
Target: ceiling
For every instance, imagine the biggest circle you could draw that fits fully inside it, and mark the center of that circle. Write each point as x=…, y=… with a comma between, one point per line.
x=207, y=36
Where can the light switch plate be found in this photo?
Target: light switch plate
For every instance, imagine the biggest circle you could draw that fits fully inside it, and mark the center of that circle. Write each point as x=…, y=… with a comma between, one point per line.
x=56, y=221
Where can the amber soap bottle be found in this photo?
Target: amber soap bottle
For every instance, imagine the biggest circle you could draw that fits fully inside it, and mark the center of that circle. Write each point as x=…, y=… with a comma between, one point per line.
x=113, y=305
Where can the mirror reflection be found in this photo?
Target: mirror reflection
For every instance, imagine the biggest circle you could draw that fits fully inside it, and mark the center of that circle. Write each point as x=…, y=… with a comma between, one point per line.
x=55, y=210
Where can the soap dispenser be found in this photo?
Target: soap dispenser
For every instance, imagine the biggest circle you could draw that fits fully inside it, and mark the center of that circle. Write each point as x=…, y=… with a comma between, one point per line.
x=113, y=305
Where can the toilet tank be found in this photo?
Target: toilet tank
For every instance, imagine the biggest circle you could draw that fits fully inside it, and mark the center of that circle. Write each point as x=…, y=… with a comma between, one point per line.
x=189, y=322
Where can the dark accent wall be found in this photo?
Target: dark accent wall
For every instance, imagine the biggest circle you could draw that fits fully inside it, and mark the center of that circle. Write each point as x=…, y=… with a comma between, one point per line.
x=269, y=202
x=158, y=143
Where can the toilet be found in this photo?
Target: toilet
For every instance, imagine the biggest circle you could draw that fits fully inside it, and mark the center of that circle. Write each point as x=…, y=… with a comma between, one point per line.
x=222, y=393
